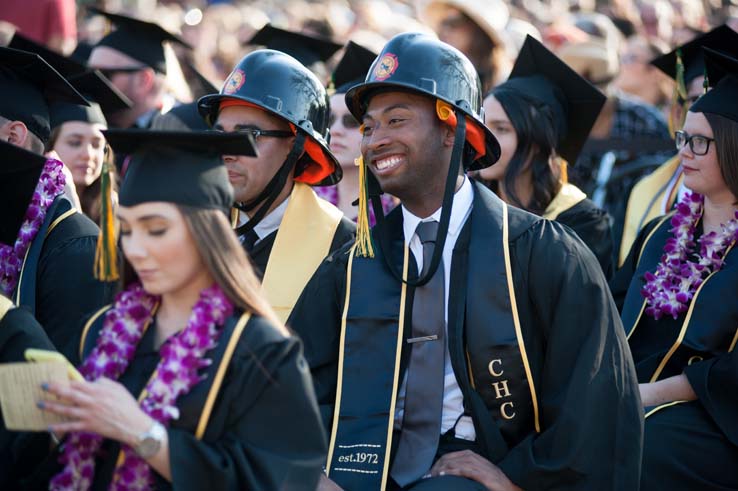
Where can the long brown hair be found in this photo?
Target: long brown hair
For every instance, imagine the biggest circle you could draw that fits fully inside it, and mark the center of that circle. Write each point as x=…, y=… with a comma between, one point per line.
x=726, y=147
x=226, y=260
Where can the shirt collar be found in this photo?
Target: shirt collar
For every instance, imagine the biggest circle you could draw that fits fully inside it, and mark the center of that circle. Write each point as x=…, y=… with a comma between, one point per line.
x=269, y=223
x=463, y=199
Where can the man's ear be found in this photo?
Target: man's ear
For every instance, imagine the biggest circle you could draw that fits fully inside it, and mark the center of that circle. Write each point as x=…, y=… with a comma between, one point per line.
x=449, y=135
x=17, y=133
x=144, y=80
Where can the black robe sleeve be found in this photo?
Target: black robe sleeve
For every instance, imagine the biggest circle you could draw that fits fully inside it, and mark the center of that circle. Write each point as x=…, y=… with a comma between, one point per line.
x=715, y=381
x=18, y=332
x=620, y=282
x=67, y=292
x=592, y=225
x=590, y=411
x=271, y=434
x=316, y=319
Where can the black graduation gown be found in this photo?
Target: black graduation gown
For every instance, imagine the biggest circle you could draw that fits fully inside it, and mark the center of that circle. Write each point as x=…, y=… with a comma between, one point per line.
x=18, y=332
x=263, y=249
x=264, y=432
x=592, y=225
x=690, y=445
x=590, y=408
x=57, y=284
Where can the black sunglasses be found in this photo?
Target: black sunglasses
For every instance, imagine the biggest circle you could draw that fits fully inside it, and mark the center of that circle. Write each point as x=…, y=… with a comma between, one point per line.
x=348, y=120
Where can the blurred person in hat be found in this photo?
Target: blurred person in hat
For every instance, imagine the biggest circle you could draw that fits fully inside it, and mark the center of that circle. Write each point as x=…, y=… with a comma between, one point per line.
x=679, y=308
x=208, y=389
x=448, y=402
x=638, y=77
x=48, y=249
x=345, y=135
x=657, y=193
x=137, y=58
x=543, y=113
x=273, y=98
x=476, y=28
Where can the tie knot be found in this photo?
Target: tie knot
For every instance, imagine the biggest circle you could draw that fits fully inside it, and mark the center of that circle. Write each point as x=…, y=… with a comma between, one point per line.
x=427, y=231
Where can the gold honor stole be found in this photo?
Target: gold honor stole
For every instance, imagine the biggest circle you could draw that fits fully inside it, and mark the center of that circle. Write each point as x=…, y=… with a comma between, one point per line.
x=568, y=196
x=303, y=240
x=645, y=201
x=372, y=337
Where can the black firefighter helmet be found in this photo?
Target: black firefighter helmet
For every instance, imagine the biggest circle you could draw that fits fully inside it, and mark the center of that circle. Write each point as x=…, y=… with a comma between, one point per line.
x=281, y=85
x=423, y=64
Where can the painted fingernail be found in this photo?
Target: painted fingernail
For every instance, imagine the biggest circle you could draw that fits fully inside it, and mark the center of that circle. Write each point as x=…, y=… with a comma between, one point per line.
x=41, y=404
x=442, y=473
x=44, y=386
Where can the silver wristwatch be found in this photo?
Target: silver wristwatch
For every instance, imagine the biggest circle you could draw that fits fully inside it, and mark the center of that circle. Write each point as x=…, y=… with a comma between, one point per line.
x=149, y=442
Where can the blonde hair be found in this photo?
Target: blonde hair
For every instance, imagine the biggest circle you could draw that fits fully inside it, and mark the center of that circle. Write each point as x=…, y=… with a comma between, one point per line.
x=227, y=262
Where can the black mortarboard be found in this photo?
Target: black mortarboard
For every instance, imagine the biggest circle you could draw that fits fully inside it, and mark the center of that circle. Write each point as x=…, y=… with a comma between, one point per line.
x=573, y=101
x=140, y=40
x=181, y=167
x=722, y=74
x=19, y=175
x=29, y=85
x=102, y=95
x=184, y=117
x=723, y=39
x=305, y=48
x=353, y=67
x=202, y=85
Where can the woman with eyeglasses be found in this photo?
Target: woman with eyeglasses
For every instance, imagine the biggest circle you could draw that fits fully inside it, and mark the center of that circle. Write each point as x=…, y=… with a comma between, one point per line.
x=679, y=294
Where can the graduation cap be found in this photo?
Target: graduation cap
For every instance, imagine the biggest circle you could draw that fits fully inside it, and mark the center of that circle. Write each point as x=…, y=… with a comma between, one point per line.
x=721, y=38
x=306, y=49
x=19, y=175
x=722, y=74
x=573, y=101
x=142, y=41
x=29, y=85
x=64, y=65
x=184, y=117
x=202, y=85
x=181, y=167
x=353, y=67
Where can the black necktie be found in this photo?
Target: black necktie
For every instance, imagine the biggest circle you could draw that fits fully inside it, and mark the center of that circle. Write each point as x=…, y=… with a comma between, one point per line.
x=249, y=240
x=421, y=423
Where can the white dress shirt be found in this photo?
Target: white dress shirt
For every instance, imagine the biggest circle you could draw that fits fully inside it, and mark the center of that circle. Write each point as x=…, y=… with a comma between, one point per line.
x=453, y=399
x=268, y=224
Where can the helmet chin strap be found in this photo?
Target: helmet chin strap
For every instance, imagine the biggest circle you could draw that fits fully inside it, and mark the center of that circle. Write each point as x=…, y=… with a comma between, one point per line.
x=270, y=192
x=448, y=199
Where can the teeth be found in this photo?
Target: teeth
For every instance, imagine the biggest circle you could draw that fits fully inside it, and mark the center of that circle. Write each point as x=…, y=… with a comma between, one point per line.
x=388, y=162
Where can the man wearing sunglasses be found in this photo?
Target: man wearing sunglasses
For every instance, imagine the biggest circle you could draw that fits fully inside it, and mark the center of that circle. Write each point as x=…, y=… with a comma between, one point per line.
x=133, y=58
x=274, y=99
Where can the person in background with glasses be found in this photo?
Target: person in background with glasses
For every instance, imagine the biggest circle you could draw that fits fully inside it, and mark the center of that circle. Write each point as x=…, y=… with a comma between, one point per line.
x=345, y=133
x=286, y=229
x=139, y=61
x=680, y=305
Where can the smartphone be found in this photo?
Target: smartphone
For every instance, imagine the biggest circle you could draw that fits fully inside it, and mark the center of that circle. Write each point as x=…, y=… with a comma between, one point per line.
x=42, y=355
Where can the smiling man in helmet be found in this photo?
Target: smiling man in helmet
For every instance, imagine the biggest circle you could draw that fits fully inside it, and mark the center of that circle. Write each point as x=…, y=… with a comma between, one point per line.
x=461, y=344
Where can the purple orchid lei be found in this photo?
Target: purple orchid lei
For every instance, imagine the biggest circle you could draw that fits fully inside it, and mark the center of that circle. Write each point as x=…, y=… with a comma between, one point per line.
x=50, y=185
x=182, y=356
x=670, y=289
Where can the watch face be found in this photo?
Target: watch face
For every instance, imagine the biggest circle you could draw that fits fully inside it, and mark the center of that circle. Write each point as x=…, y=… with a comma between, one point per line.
x=148, y=446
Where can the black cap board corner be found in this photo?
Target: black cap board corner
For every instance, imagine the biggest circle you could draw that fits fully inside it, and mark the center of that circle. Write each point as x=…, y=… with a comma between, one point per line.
x=352, y=67
x=19, y=177
x=180, y=167
x=307, y=49
x=29, y=85
x=141, y=40
x=574, y=102
x=722, y=74
x=64, y=65
x=722, y=38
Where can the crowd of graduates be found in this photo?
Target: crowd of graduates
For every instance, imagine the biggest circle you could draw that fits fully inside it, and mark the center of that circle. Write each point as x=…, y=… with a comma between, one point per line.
x=373, y=244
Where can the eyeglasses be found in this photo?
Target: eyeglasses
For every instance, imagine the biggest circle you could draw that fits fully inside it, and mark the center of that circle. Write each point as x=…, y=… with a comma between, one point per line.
x=347, y=120
x=258, y=133
x=109, y=72
x=698, y=144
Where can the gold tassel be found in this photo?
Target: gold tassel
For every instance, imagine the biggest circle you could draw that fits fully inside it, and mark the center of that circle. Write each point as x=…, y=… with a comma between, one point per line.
x=680, y=92
x=106, y=252
x=564, y=171
x=363, y=242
